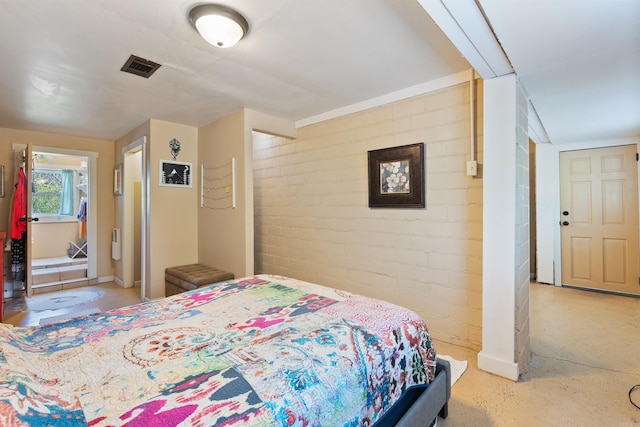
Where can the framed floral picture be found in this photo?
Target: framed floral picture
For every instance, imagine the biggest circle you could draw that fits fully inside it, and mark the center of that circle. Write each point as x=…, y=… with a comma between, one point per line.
x=396, y=177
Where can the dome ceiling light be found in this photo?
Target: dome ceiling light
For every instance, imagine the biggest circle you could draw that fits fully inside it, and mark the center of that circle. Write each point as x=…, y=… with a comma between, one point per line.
x=219, y=25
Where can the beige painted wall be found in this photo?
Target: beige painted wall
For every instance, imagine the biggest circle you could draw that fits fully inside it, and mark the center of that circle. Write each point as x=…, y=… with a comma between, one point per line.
x=223, y=230
x=313, y=222
x=173, y=211
x=226, y=233
x=173, y=225
x=104, y=176
x=52, y=239
x=143, y=130
x=137, y=232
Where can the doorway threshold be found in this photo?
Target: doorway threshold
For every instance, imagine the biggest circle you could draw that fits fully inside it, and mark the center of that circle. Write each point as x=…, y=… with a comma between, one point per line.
x=601, y=291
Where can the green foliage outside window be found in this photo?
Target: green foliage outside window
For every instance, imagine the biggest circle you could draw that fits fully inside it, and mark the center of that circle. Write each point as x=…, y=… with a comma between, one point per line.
x=46, y=191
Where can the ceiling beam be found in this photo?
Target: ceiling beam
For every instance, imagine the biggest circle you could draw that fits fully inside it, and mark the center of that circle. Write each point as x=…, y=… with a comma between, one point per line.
x=464, y=23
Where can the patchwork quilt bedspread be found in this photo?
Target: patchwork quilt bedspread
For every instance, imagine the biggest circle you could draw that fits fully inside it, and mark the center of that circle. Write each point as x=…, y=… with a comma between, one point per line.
x=257, y=351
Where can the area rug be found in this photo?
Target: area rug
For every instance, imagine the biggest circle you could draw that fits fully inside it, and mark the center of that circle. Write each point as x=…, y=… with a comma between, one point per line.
x=64, y=299
x=67, y=316
x=457, y=367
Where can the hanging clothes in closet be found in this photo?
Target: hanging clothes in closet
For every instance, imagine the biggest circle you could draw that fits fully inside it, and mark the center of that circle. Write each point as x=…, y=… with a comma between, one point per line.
x=82, y=218
x=19, y=228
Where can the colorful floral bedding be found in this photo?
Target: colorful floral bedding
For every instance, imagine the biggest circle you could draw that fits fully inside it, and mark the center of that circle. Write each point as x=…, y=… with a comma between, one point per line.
x=257, y=351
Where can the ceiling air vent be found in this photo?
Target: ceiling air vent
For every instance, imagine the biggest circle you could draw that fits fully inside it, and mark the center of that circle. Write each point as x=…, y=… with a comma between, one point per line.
x=140, y=66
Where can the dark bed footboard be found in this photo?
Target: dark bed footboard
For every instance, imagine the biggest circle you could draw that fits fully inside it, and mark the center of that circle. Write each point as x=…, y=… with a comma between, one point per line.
x=421, y=405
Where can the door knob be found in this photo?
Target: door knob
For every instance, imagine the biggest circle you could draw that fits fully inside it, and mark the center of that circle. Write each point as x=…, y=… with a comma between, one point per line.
x=565, y=213
x=565, y=222
x=29, y=219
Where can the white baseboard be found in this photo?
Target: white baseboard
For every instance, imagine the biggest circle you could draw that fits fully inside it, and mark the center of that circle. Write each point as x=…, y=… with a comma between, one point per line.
x=118, y=282
x=104, y=279
x=499, y=367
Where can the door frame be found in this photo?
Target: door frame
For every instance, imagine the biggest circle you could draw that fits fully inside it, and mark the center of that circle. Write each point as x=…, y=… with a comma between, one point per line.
x=92, y=214
x=548, y=203
x=139, y=144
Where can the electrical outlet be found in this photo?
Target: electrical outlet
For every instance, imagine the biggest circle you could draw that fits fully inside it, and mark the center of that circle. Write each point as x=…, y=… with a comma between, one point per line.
x=472, y=168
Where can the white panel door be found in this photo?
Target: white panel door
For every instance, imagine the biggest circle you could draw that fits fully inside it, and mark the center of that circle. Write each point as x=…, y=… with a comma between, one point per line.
x=599, y=219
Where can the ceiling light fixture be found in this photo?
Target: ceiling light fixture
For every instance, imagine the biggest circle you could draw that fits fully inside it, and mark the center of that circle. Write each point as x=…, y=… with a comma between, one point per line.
x=219, y=25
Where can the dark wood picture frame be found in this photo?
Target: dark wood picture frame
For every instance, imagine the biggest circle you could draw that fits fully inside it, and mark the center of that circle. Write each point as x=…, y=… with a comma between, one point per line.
x=396, y=177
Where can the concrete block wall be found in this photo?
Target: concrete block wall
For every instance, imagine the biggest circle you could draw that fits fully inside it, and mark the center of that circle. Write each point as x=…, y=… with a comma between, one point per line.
x=312, y=219
x=523, y=246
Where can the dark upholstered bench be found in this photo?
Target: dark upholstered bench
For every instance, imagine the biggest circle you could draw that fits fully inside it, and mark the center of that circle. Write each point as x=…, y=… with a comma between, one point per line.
x=187, y=277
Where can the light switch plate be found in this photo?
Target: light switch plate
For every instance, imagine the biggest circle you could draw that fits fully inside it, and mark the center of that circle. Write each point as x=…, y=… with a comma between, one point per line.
x=472, y=168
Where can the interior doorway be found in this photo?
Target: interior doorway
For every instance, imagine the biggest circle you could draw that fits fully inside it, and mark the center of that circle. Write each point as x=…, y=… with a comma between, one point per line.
x=134, y=241
x=59, y=211
x=533, y=226
x=59, y=181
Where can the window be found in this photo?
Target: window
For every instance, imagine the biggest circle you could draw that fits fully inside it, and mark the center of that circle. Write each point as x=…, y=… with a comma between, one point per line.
x=49, y=194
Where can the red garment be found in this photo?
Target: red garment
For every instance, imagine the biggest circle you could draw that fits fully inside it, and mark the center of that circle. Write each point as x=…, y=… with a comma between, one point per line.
x=19, y=207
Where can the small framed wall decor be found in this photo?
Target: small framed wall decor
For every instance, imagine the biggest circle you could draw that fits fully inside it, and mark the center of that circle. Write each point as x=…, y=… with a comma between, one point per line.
x=1, y=180
x=396, y=177
x=117, y=180
x=175, y=174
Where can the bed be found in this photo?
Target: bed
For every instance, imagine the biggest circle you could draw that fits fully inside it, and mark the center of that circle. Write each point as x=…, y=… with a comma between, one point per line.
x=256, y=351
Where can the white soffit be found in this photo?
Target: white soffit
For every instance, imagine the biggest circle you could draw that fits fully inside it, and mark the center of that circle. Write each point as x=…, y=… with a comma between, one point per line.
x=537, y=133
x=465, y=25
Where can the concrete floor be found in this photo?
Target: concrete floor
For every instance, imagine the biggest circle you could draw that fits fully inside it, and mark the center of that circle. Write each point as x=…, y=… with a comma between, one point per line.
x=586, y=357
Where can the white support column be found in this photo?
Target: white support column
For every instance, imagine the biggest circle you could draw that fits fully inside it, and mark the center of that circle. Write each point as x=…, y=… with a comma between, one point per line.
x=498, y=353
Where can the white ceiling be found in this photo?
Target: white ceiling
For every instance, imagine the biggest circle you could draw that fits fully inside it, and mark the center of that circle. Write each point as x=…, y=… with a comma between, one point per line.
x=578, y=59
